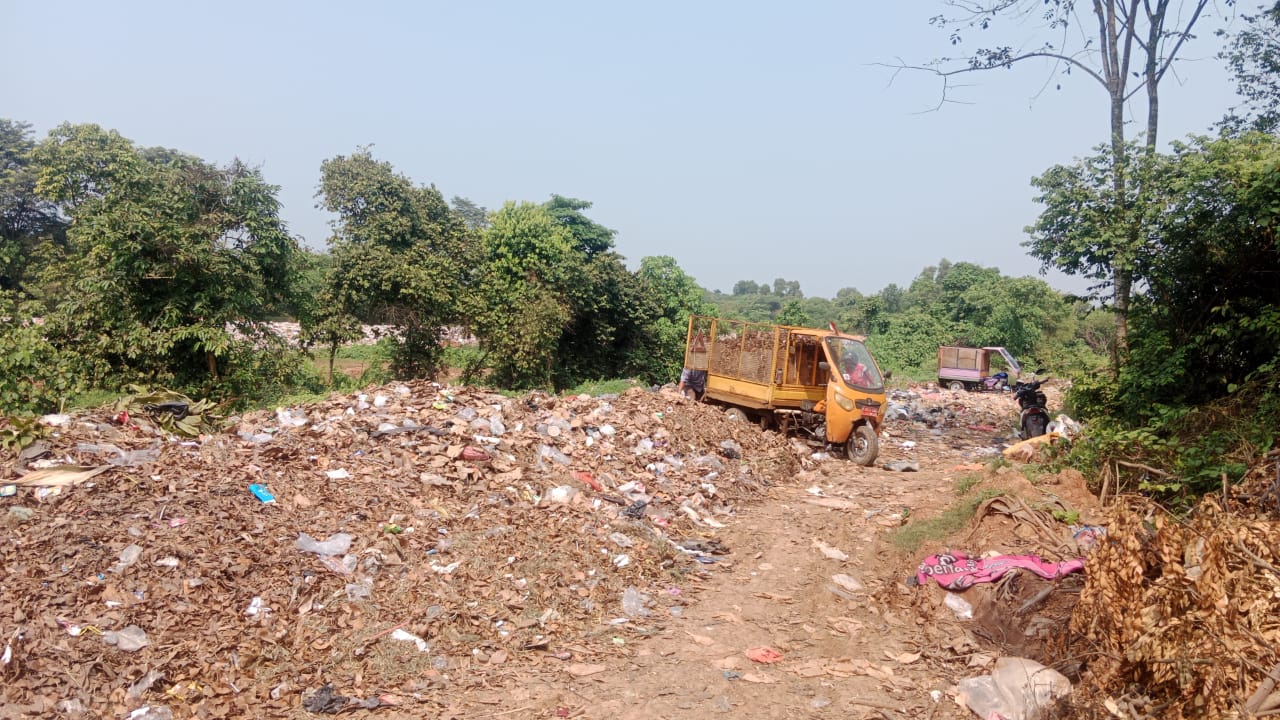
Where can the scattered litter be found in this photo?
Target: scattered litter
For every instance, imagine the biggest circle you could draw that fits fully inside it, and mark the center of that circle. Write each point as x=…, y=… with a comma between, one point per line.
x=142, y=684
x=730, y=449
x=1087, y=536
x=500, y=524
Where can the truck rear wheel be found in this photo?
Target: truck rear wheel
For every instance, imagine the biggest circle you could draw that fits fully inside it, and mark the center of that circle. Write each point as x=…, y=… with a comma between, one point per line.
x=863, y=445
x=956, y=385
x=736, y=415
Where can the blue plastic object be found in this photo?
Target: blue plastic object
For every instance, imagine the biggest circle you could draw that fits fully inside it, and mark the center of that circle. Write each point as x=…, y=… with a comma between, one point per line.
x=262, y=493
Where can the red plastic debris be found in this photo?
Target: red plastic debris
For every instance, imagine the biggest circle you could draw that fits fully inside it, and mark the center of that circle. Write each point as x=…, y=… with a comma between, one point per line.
x=585, y=477
x=763, y=655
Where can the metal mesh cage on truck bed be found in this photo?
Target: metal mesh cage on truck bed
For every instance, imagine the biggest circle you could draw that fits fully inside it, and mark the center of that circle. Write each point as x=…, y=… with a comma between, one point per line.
x=742, y=350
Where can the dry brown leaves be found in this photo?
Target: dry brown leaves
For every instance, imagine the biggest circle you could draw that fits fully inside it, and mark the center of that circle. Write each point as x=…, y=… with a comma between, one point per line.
x=1188, y=610
x=465, y=551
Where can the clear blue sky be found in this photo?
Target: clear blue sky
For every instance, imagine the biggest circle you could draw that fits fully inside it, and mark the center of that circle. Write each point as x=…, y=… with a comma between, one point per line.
x=749, y=140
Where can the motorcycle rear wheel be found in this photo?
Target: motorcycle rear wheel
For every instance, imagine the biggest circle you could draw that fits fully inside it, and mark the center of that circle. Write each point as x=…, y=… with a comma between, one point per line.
x=1037, y=425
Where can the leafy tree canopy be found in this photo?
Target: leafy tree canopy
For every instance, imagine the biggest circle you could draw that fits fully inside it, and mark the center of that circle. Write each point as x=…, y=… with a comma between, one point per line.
x=401, y=256
x=170, y=257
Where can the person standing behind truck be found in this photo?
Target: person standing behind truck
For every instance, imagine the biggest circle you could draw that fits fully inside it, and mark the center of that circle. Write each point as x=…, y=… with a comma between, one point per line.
x=694, y=381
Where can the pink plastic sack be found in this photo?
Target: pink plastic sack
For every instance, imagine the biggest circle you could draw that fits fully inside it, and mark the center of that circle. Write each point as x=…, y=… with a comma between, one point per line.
x=957, y=571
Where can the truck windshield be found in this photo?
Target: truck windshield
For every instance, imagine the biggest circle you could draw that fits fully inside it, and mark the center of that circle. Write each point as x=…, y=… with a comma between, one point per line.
x=856, y=367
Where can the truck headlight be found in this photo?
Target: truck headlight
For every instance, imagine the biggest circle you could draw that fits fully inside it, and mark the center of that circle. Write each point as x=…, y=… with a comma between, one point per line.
x=844, y=402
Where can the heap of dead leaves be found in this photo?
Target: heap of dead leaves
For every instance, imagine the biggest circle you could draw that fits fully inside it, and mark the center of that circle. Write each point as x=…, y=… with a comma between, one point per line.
x=484, y=532
x=1188, y=610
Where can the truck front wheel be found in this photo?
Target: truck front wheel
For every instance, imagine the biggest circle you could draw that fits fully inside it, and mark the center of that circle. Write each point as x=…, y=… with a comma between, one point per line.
x=956, y=385
x=863, y=445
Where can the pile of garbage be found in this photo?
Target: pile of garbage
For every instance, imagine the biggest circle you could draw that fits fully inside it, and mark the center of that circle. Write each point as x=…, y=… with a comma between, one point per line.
x=965, y=427
x=364, y=551
x=1186, y=610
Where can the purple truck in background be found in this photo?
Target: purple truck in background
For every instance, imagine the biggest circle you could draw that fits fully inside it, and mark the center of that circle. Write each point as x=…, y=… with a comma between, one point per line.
x=963, y=368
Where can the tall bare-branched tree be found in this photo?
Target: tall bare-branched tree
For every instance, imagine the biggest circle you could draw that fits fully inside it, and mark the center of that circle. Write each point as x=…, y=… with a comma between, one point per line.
x=1128, y=47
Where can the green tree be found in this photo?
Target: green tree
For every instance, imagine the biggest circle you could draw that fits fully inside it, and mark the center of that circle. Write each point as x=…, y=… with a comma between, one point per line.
x=1253, y=58
x=911, y=340
x=746, y=287
x=529, y=284
x=793, y=314
x=400, y=257
x=1210, y=319
x=610, y=312
x=475, y=216
x=325, y=322
x=820, y=311
x=787, y=288
x=172, y=260
x=678, y=296
x=27, y=220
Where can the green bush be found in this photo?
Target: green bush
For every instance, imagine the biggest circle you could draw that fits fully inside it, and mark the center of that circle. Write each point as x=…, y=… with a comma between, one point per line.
x=35, y=376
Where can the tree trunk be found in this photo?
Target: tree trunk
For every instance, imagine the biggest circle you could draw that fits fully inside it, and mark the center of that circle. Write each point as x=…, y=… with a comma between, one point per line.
x=212, y=362
x=1121, y=269
x=333, y=354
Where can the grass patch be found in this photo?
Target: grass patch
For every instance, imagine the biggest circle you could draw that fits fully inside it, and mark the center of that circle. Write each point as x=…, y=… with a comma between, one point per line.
x=966, y=483
x=461, y=357
x=92, y=399
x=375, y=353
x=911, y=536
x=604, y=387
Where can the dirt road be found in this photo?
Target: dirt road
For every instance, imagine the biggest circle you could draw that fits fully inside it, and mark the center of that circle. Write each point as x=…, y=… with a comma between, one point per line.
x=883, y=651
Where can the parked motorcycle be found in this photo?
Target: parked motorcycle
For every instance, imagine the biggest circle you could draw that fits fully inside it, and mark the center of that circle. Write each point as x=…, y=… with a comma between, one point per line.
x=1034, y=420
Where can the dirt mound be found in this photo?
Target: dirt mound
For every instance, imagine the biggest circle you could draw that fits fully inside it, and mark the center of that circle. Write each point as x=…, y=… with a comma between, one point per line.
x=449, y=534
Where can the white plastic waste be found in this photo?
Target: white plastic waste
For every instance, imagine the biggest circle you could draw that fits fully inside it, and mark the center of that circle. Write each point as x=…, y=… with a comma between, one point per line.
x=335, y=544
x=1017, y=689
x=959, y=606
